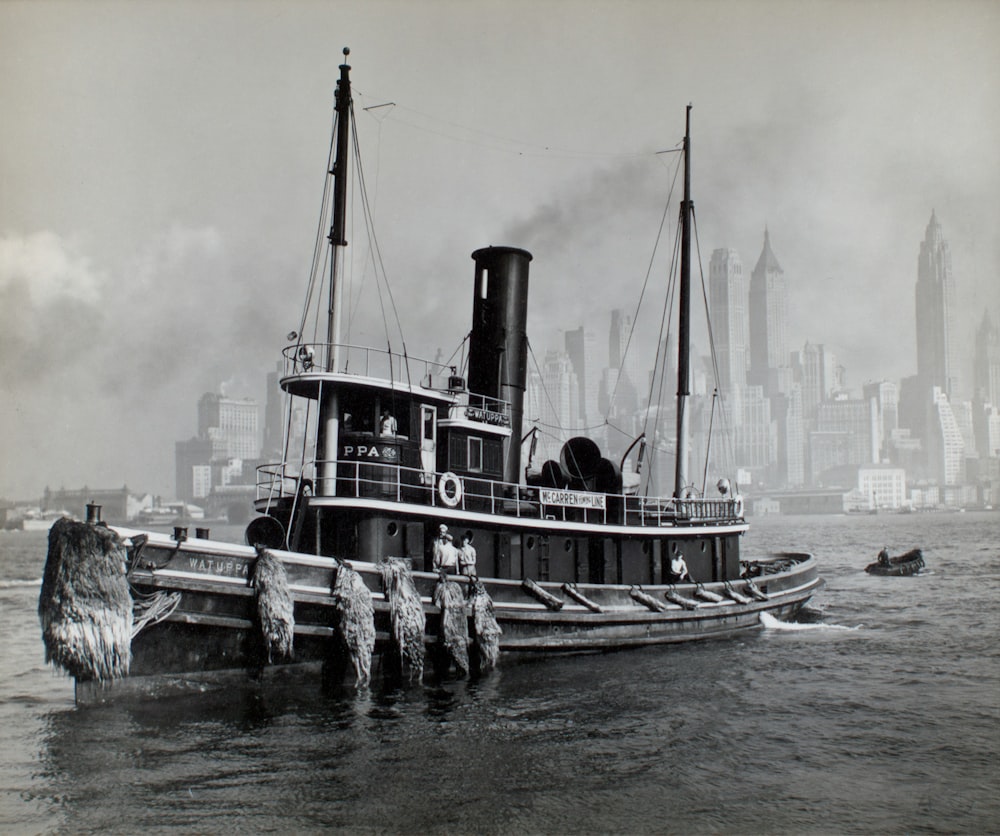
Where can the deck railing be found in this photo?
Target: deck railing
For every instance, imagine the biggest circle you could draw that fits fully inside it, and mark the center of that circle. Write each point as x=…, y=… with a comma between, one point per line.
x=360, y=360
x=397, y=483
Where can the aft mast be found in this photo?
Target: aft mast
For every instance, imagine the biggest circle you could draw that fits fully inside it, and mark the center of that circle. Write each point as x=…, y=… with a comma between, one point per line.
x=329, y=418
x=684, y=321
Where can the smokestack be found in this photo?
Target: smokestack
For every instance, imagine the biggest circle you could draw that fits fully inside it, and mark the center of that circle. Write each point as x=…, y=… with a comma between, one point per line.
x=498, y=346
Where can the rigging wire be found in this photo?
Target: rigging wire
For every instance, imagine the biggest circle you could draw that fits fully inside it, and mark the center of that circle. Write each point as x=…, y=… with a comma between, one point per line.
x=377, y=254
x=662, y=357
x=509, y=146
x=729, y=446
x=318, y=248
x=642, y=292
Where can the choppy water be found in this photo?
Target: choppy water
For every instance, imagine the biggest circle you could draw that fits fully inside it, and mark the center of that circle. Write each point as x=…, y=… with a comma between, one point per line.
x=882, y=714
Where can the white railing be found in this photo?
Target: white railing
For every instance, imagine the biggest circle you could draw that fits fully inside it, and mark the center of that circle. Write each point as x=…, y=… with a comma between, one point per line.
x=413, y=485
x=360, y=360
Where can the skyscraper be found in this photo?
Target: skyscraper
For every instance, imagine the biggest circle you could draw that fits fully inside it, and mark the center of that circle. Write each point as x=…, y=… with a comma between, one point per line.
x=945, y=445
x=768, y=308
x=581, y=346
x=231, y=424
x=986, y=361
x=622, y=384
x=815, y=371
x=935, y=304
x=883, y=397
x=727, y=286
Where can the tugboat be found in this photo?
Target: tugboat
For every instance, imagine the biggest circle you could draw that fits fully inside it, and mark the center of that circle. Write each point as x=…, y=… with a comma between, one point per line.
x=402, y=522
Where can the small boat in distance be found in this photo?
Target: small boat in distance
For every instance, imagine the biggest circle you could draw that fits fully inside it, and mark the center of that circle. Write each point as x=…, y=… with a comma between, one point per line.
x=909, y=563
x=401, y=520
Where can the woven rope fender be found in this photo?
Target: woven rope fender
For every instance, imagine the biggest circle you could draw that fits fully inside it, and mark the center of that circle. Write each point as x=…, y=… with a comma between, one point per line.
x=646, y=600
x=735, y=594
x=571, y=590
x=486, y=639
x=355, y=614
x=85, y=606
x=406, y=614
x=454, y=634
x=756, y=591
x=275, y=607
x=674, y=597
x=707, y=594
x=553, y=602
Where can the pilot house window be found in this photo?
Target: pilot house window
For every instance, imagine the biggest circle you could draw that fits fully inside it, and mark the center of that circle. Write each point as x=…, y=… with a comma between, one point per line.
x=475, y=454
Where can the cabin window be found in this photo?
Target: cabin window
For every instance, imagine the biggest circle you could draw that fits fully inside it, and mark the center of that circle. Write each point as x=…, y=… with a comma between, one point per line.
x=357, y=412
x=493, y=456
x=393, y=418
x=458, y=449
x=475, y=454
x=427, y=431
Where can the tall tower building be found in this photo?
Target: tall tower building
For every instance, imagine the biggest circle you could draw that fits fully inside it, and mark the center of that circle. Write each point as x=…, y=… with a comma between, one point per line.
x=945, y=444
x=815, y=370
x=727, y=288
x=986, y=361
x=581, y=346
x=768, y=308
x=883, y=397
x=935, y=304
x=623, y=384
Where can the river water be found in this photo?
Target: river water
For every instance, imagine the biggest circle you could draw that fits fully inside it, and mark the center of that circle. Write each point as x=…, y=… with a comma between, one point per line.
x=879, y=713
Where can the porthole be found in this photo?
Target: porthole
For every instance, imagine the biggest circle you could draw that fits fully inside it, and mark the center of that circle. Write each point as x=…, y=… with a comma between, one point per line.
x=392, y=529
x=673, y=548
x=645, y=547
x=568, y=545
x=703, y=546
x=529, y=544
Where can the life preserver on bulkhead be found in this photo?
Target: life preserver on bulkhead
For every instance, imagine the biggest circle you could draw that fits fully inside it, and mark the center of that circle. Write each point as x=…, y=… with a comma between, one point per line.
x=450, y=489
x=738, y=506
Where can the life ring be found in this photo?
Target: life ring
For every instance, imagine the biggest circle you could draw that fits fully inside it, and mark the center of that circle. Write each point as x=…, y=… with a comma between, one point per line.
x=450, y=489
x=738, y=506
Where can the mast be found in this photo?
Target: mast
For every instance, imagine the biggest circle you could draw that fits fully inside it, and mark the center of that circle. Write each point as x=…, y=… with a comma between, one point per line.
x=684, y=323
x=328, y=432
x=337, y=223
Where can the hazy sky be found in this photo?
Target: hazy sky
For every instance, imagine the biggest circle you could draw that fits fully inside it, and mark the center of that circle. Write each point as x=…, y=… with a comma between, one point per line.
x=162, y=163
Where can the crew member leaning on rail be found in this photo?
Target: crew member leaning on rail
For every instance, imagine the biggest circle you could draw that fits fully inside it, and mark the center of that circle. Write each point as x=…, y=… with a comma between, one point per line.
x=445, y=553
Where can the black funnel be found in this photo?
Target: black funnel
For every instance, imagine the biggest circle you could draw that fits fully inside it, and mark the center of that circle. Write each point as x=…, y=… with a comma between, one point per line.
x=498, y=345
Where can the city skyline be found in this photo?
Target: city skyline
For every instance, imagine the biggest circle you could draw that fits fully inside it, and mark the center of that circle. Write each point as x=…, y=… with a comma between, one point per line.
x=162, y=177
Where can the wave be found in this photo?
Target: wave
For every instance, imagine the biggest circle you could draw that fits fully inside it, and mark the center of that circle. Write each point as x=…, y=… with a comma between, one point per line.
x=772, y=623
x=15, y=584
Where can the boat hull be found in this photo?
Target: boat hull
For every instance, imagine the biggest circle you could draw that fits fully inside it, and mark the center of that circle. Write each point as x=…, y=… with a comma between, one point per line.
x=214, y=629
x=907, y=564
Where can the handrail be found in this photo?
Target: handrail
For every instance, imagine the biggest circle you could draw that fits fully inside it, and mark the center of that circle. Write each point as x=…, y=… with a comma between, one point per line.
x=302, y=358
x=414, y=485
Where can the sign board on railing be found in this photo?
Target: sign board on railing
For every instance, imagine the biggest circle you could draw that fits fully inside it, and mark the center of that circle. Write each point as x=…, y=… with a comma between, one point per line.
x=572, y=499
x=484, y=416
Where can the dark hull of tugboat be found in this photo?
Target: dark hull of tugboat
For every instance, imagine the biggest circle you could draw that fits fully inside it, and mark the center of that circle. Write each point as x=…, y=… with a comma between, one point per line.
x=213, y=636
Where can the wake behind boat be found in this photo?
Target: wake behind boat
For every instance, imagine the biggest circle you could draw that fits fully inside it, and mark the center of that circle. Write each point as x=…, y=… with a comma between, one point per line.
x=401, y=522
